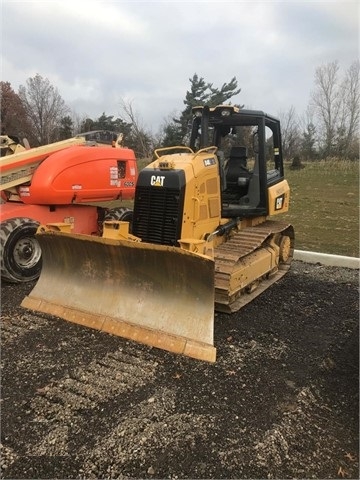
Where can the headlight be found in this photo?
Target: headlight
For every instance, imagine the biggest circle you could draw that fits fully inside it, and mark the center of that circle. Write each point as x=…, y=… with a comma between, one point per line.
x=225, y=113
x=225, y=110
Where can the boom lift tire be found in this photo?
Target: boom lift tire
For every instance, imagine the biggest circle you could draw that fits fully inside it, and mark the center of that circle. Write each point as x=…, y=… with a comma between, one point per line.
x=122, y=214
x=21, y=250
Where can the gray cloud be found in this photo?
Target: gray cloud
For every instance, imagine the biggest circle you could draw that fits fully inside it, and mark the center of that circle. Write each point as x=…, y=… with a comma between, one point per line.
x=96, y=52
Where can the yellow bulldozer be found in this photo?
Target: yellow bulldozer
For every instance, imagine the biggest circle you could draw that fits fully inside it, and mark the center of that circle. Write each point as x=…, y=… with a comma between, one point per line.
x=201, y=237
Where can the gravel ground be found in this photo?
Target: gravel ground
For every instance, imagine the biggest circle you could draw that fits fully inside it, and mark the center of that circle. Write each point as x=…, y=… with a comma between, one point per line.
x=280, y=402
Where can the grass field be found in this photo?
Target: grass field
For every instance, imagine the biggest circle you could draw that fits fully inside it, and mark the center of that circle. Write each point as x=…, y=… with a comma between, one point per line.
x=324, y=207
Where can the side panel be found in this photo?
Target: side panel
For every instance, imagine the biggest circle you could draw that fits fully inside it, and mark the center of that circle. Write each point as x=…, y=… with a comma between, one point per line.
x=279, y=198
x=83, y=218
x=82, y=174
x=19, y=167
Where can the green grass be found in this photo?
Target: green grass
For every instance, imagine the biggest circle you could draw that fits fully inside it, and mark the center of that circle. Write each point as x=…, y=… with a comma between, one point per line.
x=324, y=207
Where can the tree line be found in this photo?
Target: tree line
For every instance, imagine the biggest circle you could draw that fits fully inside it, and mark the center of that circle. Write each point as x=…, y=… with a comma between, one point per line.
x=328, y=128
x=330, y=125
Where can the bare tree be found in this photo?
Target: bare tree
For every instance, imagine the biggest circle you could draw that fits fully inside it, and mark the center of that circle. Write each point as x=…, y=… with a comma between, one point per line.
x=351, y=103
x=290, y=132
x=78, y=121
x=44, y=108
x=141, y=140
x=335, y=103
x=326, y=101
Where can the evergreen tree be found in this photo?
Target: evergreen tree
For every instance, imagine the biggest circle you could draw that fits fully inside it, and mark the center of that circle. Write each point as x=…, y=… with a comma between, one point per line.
x=227, y=91
x=108, y=123
x=200, y=93
x=171, y=135
x=66, y=128
x=87, y=125
x=308, y=142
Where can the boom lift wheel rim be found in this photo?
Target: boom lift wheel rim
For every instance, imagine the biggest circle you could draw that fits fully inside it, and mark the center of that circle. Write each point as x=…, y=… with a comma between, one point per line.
x=27, y=252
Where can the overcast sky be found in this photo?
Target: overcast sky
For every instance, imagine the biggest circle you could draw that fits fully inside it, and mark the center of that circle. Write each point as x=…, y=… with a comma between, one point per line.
x=98, y=52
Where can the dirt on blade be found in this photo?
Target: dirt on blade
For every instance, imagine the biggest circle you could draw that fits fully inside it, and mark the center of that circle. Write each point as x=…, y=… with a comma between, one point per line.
x=280, y=402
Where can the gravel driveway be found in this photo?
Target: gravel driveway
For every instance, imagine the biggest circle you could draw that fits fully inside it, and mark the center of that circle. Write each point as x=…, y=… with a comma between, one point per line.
x=280, y=402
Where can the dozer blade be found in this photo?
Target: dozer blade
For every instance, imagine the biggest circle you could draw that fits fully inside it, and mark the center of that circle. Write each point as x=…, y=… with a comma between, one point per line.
x=157, y=295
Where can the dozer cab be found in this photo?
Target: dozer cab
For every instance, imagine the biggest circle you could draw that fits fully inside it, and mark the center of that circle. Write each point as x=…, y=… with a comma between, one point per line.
x=202, y=237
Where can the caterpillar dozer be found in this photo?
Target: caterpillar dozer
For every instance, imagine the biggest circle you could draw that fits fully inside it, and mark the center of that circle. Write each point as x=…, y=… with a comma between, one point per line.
x=202, y=237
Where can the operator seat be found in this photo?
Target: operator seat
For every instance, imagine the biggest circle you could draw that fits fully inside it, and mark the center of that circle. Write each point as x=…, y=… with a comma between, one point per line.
x=237, y=174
